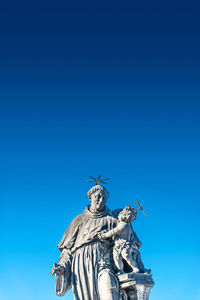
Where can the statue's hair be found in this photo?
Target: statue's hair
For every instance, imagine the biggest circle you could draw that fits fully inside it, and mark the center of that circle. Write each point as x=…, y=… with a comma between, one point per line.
x=98, y=188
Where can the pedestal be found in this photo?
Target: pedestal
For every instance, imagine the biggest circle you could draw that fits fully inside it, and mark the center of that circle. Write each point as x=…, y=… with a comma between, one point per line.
x=136, y=286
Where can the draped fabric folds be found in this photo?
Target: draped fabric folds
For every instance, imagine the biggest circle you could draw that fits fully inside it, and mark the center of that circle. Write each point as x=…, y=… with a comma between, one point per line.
x=85, y=258
x=88, y=255
x=85, y=272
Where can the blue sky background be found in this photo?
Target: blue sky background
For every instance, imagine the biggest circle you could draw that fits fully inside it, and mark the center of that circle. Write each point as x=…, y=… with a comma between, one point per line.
x=99, y=87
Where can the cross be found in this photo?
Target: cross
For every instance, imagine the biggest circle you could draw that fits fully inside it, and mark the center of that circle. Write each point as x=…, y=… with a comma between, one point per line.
x=140, y=206
x=102, y=263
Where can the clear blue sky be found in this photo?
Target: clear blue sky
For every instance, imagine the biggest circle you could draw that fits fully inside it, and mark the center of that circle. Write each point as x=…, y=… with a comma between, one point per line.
x=99, y=87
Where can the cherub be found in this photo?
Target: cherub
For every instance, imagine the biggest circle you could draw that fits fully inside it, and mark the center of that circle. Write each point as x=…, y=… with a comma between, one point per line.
x=125, y=245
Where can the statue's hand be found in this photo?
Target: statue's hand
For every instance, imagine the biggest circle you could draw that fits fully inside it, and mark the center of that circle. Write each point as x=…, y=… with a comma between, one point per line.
x=58, y=269
x=101, y=235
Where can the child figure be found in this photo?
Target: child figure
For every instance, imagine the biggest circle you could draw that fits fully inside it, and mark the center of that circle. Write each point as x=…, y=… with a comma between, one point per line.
x=126, y=246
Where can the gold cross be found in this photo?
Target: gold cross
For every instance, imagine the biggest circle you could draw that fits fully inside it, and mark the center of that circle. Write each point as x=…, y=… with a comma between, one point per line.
x=140, y=206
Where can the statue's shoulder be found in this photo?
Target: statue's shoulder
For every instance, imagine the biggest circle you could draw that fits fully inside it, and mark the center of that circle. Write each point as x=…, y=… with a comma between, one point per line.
x=78, y=219
x=116, y=212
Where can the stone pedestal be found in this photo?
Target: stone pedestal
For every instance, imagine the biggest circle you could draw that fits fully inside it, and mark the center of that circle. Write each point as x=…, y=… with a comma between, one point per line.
x=136, y=286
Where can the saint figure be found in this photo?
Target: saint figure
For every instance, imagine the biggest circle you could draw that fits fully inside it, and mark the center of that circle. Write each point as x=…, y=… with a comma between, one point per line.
x=86, y=263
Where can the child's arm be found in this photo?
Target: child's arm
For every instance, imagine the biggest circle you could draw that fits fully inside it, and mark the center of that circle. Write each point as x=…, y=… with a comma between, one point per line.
x=117, y=230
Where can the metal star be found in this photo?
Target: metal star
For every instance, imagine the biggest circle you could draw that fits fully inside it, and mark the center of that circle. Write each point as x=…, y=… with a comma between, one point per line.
x=98, y=180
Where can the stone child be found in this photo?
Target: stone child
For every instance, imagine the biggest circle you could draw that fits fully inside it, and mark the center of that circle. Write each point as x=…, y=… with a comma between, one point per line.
x=124, y=247
x=87, y=249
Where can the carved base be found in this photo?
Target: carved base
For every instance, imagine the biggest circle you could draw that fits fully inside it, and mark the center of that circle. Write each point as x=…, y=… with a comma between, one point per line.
x=137, y=286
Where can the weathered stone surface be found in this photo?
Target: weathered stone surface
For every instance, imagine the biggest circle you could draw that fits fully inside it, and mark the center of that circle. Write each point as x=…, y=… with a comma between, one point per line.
x=97, y=247
x=136, y=286
x=138, y=278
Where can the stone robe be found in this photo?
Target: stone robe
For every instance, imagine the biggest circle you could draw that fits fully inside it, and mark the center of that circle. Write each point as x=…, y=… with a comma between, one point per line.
x=86, y=258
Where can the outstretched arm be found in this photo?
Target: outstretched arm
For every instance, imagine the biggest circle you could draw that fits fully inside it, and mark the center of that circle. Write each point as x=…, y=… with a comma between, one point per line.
x=111, y=233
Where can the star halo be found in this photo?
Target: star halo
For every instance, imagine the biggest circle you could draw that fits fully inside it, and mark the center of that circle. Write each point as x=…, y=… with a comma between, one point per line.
x=98, y=180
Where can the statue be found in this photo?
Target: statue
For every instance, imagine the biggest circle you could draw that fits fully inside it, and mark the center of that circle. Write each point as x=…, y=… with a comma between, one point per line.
x=97, y=250
x=125, y=246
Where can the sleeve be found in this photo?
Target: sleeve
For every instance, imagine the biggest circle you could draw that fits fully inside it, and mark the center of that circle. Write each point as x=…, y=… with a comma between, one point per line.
x=117, y=230
x=63, y=281
x=70, y=234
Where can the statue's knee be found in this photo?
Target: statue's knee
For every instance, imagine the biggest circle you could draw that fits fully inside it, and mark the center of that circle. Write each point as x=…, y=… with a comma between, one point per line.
x=107, y=279
x=108, y=285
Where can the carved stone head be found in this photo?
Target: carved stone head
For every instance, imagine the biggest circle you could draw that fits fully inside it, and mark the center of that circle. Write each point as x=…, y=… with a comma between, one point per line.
x=128, y=214
x=98, y=196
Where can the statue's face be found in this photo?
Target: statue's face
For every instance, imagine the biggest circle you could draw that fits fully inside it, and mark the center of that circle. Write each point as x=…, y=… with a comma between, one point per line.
x=98, y=201
x=127, y=216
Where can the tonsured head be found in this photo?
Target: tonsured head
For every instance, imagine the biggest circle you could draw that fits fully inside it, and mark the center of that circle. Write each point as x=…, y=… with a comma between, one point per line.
x=128, y=214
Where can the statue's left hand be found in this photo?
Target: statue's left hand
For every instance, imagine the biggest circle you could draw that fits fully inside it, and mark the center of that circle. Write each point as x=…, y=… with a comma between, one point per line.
x=58, y=269
x=101, y=235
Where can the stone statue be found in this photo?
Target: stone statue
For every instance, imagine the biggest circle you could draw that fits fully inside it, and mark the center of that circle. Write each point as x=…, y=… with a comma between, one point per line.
x=88, y=261
x=125, y=246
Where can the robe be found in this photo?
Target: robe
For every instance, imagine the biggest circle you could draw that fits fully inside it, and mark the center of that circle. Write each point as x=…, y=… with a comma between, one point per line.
x=87, y=255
